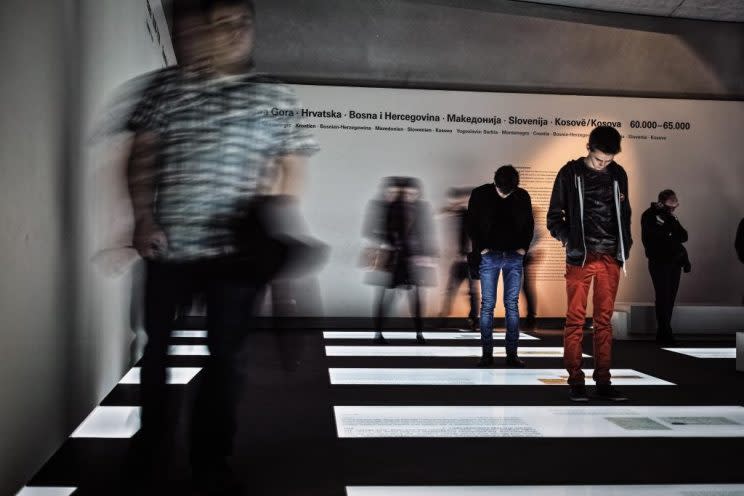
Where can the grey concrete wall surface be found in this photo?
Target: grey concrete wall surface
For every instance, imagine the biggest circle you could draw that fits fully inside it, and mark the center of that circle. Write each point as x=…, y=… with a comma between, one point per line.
x=66, y=282
x=33, y=315
x=498, y=45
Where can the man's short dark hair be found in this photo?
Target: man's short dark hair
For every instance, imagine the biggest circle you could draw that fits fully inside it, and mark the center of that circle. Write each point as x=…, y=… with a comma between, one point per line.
x=410, y=182
x=506, y=179
x=605, y=139
x=182, y=9
x=665, y=195
x=209, y=5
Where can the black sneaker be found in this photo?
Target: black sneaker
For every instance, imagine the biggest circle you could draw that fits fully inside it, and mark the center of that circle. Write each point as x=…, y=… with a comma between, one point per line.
x=420, y=338
x=577, y=392
x=608, y=392
x=379, y=339
x=512, y=360
x=485, y=361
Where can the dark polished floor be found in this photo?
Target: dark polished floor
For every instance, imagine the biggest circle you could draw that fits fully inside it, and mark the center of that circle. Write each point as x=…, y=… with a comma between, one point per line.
x=287, y=443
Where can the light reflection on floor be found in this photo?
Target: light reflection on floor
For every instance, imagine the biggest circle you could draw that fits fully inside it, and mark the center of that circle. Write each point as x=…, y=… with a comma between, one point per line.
x=705, y=352
x=188, y=349
x=431, y=336
x=600, y=420
x=108, y=422
x=439, y=351
x=46, y=491
x=175, y=375
x=477, y=377
x=614, y=490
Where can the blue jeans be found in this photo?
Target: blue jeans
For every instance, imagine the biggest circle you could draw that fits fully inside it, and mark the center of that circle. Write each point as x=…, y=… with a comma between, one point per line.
x=492, y=263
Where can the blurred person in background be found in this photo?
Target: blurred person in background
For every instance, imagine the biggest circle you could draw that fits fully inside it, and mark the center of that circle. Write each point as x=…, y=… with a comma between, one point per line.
x=403, y=223
x=205, y=144
x=529, y=278
x=457, y=210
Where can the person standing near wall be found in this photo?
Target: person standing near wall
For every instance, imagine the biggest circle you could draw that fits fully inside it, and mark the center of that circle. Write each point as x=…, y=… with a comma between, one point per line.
x=589, y=213
x=662, y=236
x=457, y=209
x=501, y=226
x=205, y=143
x=407, y=222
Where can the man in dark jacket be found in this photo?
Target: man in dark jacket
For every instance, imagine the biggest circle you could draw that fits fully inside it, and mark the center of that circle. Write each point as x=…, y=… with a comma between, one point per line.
x=590, y=214
x=500, y=225
x=663, y=236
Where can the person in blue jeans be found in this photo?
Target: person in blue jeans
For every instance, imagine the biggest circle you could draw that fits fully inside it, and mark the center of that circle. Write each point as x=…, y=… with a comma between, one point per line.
x=501, y=225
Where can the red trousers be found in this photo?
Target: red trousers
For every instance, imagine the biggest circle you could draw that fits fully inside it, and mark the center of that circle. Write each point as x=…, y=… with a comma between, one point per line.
x=605, y=271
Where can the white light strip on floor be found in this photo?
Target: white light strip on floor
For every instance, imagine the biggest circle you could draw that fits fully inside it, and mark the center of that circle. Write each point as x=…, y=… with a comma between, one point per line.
x=439, y=351
x=188, y=334
x=705, y=352
x=110, y=422
x=614, y=490
x=538, y=421
x=497, y=336
x=46, y=491
x=175, y=375
x=478, y=377
x=188, y=350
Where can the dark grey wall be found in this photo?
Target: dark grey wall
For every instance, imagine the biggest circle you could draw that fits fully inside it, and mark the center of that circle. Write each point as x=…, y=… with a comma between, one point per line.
x=498, y=45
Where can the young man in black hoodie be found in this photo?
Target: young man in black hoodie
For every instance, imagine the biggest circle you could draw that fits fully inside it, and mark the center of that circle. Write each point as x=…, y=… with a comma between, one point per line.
x=663, y=236
x=590, y=214
x=500, y=226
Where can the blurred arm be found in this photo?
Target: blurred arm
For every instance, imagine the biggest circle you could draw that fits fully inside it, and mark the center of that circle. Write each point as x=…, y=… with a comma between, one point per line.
x=291, y=174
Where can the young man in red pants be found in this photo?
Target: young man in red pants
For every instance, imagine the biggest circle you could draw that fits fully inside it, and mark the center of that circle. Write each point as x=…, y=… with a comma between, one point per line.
x=590, y=214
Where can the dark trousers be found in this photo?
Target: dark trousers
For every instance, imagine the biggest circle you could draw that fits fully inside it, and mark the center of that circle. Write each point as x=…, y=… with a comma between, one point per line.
x=230, y=298
x=384, y=299
x=529, y=286
x=460, y=272
x=665, y=277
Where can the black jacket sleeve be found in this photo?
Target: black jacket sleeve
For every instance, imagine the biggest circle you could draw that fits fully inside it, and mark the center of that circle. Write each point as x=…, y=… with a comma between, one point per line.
x=626, y=211
x=558, y=209
x=529, y=223
x=471, y=220
x=679, y=233
x=651, y=234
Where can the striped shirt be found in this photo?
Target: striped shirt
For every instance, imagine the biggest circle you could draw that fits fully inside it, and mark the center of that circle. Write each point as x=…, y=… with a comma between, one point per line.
x=218, y=139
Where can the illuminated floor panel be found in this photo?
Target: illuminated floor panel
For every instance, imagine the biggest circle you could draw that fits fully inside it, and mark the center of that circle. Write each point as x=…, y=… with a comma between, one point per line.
x=478, y=377
x=175, y=375
x=188, y=334
x=110, y=422
x=538, y=421
x=617, y=490
x=705, y=352
x=188, y=349
x=438, y=351
x=466, y=336
x=46, y=491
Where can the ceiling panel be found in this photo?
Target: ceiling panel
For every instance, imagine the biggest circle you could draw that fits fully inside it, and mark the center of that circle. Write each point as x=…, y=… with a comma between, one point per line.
x=718, y=10
x=711, y=10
